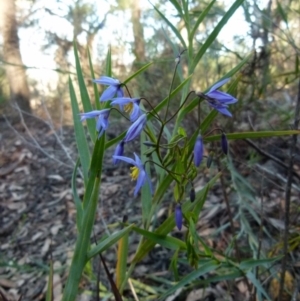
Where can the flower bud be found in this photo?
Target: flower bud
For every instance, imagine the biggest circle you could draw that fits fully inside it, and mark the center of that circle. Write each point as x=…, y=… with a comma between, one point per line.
x=118, y=151
x=178, y=216
x=192, y=195
x=198, y=151
x=149, y=143
x=224, y=143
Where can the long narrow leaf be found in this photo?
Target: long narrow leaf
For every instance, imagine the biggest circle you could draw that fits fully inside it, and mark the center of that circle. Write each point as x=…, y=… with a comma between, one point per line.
x=82, y=144
x=78, y=204
x=173, y=28
x=262, y=134
x=163, y=240
x=215, y=32
x=122, y=260
x=108, y=242
x=204, y=269
x=85, y=99
x=200, y=19
x=137, y=73
x=49, y=294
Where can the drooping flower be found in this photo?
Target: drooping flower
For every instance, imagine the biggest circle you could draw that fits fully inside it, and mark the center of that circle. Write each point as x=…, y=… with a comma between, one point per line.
x=217, y=99
x=119, y=151
x=129, y=105
x=102, y=121
x=224, y=143
x=198, y=151
x=178, y=216
x=138, y=172
x=136, y=128
x=115, y=87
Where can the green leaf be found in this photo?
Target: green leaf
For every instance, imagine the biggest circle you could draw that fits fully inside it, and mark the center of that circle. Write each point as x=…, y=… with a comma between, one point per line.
x=204, y=269
x=85, y=99
x=96, y=92
x=163, y=240
x=173, y=28
x=200, y=19
x=215, y=32
x=245, y=135
x=108, y=68
x=108, y=242
x=258, y=285
x=82, y=144
x=167, y=226
x=137, y=73
x=49, y=293
x=95, y=169
x=252, y=263
x=122, y=260
x=282, y=12
x=78, y=204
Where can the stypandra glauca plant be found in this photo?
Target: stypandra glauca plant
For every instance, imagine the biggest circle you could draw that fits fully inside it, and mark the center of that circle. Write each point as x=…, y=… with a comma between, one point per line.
x=176, y=158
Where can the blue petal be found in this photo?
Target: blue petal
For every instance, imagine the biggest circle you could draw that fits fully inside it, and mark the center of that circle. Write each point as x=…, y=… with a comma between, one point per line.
x=106, y=80
x=94, y=114
x=224, y=111
x=121, y=100
x=138, y=161
x=222, y=97
x=126, y=159
x=219, y=84
x=109, y=93
x=120, y=92
x=136, y=128
x=118, y=152
x=140, y=181
x=135, y=112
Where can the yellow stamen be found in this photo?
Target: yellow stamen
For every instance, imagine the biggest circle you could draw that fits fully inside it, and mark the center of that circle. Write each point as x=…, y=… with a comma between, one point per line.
x=134, y=173
x=128, y=108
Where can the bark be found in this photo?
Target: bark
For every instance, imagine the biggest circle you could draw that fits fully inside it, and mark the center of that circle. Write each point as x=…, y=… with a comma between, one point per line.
x=15, y=72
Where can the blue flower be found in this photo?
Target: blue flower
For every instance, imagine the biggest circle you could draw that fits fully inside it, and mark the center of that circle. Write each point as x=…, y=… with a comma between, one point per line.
x=115, y=87
x=138, y=172
x=102, y=122
x=217, y=99
x=129, y=105
x=136, y=128
x=178, y=216
x=118, y=151
x=198, y=151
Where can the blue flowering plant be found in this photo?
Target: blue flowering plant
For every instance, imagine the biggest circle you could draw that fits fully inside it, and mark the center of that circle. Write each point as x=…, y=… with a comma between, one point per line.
x=168, y=159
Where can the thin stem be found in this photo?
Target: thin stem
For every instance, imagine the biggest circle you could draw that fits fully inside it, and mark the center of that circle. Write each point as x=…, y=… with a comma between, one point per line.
x=180, y=107
x=153, y=109
x=169, y=95
x=127, y=90
x=288, y=198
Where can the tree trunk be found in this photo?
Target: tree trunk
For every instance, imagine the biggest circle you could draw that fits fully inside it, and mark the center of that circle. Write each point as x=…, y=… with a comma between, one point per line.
x=138, y=32
x=12, y=56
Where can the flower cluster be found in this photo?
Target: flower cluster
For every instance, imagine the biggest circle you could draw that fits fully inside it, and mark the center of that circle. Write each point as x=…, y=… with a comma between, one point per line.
x=115, y=95
x=139, y=119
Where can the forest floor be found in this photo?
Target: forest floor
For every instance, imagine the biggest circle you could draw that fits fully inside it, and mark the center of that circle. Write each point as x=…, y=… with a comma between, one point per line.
x=37, y=214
